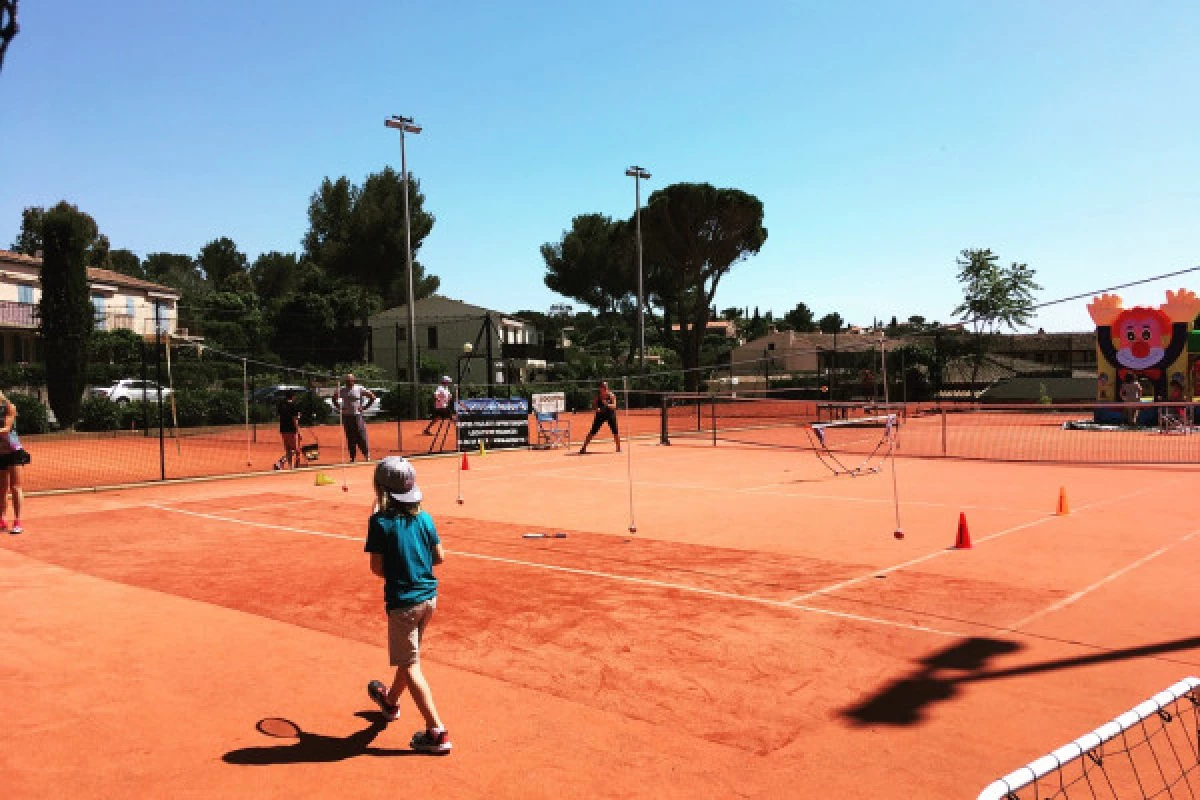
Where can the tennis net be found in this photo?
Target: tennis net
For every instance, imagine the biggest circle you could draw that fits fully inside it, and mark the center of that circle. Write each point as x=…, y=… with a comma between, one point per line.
x=1137, y=433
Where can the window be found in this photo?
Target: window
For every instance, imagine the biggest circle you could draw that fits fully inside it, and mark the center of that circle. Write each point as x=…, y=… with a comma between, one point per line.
x=130, y=308
x=433, y=344
x=99, y=310
x=25, y=294
x=401, y=334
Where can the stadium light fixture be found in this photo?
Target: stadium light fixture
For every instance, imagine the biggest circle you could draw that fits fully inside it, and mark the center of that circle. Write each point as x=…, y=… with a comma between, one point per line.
x=406, y=125
x=639, y=174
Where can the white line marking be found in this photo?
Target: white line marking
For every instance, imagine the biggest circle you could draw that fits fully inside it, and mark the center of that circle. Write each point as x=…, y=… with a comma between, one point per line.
x=763, y=601
x=935, y=554
x=761, y=490
x=1066, y=601
x=919, y=559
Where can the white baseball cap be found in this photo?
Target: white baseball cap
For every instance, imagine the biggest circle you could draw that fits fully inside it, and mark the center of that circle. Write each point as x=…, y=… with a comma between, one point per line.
x=396, y=476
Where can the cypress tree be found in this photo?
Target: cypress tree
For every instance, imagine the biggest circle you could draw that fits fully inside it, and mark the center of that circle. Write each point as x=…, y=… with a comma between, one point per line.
x=65, y=310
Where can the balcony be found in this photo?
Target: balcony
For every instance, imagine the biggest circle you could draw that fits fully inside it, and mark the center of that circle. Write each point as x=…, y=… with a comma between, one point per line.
x=18, y=315
x=25, y=316
x=537, y=352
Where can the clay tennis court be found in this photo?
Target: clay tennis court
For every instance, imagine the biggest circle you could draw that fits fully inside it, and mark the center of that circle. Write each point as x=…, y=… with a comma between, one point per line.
x=762, y=634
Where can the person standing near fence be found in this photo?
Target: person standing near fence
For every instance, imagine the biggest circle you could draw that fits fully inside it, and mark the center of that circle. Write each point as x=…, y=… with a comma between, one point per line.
x=348, y=400
x=12, y=458
x=606, y=413
x=1131, y=392
x=441, y=405
x=289, y=430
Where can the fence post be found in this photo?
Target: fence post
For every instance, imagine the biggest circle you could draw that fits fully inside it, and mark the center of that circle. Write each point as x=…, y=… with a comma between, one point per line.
x=162, y=445
x=145, y=400
x=664, y=434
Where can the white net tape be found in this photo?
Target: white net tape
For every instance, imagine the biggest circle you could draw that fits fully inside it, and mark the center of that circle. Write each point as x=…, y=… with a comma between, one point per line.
x=1150, y=751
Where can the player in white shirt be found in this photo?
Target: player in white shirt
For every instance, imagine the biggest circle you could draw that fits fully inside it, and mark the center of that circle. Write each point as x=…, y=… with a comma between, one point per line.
x=443, y=407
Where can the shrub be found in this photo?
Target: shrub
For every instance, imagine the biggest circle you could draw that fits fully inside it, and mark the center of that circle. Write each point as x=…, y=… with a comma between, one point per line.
x=98, y=414
x=31, y=414
x=225, y=407
x=140, y=415
x=191, y=408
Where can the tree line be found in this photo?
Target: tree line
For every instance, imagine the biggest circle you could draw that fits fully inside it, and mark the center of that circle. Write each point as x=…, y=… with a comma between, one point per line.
x=306, y=308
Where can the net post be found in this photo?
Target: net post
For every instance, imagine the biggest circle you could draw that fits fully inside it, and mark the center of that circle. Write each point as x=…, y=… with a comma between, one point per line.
x=713, y=416
x=943, y=410
x=162, y=445
x=664, y=436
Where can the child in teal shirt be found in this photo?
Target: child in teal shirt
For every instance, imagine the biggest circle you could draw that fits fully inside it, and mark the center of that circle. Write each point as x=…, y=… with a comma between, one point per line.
x=404, y=548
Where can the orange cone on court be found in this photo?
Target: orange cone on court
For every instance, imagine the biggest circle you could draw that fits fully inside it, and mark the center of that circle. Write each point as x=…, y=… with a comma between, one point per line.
x=963, y=540
x=1064, y=506
x=465, y=465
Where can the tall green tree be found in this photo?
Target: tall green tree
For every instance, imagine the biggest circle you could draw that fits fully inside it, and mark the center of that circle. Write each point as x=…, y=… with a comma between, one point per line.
x=224, y=265
x=29, y=238
x=693, y=234
x=593, y=263
x=831, y=323
x=181, y=273
x=65, y=310
x=276, y=276
x=801, y=319
x=357, y=233
x=994, y=297
x=126, y=262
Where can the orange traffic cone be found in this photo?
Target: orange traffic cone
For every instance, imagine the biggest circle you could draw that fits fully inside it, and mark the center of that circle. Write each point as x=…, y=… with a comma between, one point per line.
x=465, y=465
x=963, y=540
x=1064, y=507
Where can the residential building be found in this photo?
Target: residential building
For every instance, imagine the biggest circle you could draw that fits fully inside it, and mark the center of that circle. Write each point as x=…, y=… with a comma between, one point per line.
x=443, y=326
x=120, y=303
x=790, y=352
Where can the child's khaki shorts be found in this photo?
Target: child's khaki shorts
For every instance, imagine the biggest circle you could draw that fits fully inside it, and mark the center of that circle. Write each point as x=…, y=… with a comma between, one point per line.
x=406, y=628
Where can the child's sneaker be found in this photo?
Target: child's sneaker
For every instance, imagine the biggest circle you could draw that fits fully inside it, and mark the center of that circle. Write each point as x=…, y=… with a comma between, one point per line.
x=16, y=528
x=378, y=692
x=431, y=741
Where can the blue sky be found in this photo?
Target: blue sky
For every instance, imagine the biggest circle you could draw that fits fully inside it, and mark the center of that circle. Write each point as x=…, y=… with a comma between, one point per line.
x=882, y=138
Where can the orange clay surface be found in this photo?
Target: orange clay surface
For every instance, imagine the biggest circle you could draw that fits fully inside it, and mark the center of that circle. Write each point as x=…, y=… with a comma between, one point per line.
x=80, y=460
x=761, y=635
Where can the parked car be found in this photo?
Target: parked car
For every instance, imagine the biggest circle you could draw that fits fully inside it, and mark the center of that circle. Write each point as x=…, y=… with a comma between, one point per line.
x=271, y=394
x=128, y=391
x=375, y=408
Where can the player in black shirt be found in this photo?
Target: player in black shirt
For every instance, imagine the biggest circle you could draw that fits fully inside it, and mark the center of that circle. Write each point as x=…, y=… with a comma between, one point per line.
x=289, y=430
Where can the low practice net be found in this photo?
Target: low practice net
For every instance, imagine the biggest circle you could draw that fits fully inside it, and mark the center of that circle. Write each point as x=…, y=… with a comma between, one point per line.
x=1138, y=433
x=1150, y=751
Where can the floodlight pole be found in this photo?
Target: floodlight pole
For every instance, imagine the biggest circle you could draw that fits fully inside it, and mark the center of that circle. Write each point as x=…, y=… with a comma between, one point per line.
x=638, y=174
x=406, y=125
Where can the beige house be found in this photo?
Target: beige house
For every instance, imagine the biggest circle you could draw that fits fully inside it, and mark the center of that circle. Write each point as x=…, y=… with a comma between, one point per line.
x=120, y=303
x=789, y=351
x=443, y=326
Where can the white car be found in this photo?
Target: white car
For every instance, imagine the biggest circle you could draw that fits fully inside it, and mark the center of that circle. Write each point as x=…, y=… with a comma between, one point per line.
x=375, y=408
x=128, y=391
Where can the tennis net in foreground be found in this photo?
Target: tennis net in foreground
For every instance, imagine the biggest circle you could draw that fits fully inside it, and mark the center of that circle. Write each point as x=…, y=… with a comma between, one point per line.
x=1139, y=433
x=1150, y=751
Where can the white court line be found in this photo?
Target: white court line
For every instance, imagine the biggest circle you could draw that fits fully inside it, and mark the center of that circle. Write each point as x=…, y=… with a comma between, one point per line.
x=757, y=490
x=935, y=554
x=1066, y=601
x=682, y=587
x=919, y=559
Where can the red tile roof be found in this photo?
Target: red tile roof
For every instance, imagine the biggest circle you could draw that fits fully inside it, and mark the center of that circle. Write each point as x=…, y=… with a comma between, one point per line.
x=95, y=275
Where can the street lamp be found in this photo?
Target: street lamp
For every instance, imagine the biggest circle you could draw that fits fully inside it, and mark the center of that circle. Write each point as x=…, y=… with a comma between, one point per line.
x=638, y=174
x=406, y=125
